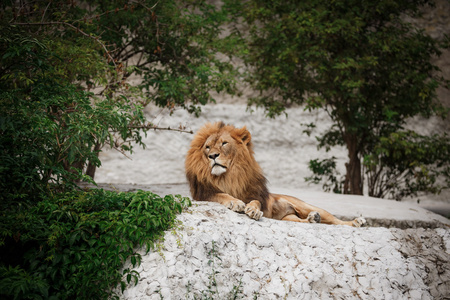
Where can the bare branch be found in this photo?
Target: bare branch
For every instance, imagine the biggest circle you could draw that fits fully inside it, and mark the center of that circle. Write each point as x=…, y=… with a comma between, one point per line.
x=154, y=127
x=149, y=8
x=121, y=151
x=45, y=11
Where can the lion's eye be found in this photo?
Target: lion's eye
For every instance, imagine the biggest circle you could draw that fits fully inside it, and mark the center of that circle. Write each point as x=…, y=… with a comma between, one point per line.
x=224, y=143
x=207, y=147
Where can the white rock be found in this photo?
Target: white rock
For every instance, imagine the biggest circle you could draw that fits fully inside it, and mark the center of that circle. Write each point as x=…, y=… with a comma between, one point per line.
x=276, y=259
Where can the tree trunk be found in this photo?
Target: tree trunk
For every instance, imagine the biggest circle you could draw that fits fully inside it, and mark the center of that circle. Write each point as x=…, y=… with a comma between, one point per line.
x=72, y=168
x=91, y=168
x=353, y=179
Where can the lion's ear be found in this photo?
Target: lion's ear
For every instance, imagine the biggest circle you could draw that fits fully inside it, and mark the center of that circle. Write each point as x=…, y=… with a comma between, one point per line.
x=244, y=135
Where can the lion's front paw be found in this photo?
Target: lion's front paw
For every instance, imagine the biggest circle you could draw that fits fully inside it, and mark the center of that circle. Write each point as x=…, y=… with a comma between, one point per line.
x=359, y=222
x=253, y=212
x=313, y=217
x=237, y=206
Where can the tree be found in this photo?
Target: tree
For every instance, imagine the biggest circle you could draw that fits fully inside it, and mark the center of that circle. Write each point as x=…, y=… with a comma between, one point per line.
x=360, y=62
x=98, y=45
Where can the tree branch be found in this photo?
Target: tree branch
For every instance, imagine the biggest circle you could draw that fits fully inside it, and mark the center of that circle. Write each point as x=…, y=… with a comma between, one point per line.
x=154, y=127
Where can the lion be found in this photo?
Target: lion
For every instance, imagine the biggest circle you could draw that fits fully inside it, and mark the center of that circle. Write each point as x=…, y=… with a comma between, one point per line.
x=220, y=167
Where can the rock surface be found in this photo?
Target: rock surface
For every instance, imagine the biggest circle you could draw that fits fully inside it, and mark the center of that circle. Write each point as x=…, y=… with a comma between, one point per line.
x=216, y=252
x=377, y=212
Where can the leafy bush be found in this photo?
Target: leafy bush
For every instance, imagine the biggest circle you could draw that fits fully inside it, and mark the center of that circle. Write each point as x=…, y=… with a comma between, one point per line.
x=325, y=170
x=52, y=132
x=406, y=163
x=73, y=245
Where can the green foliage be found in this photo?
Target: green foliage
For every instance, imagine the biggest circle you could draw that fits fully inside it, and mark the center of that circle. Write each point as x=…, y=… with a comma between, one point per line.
x=361, y=62
x=27, y=57
x=51, y=131
x=325, y=171
x=171, y=45
x=213, y=260
x=73, y=245
x=405, y=163
x=192, y=68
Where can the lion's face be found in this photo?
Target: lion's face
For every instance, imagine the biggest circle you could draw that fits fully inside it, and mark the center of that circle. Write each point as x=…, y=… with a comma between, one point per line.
x=219, y=150
x=221, y=159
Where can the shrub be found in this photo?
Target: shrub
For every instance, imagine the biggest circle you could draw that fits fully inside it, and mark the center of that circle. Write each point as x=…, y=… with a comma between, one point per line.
x=51, y=132
x=73, y=245
x=325, y=170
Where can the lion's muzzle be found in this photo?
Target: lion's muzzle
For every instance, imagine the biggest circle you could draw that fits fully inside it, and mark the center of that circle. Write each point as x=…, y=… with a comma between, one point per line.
x=216, y=168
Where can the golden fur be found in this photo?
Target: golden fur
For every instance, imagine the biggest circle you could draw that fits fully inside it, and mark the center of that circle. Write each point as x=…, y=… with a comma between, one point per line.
x=220, y=167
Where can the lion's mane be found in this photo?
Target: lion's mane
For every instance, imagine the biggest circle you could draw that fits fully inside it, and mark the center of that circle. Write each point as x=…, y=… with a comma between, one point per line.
x=243, y=180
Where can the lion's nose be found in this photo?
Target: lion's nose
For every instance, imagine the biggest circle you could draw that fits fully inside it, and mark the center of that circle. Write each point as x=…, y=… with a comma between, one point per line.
x=213, y=155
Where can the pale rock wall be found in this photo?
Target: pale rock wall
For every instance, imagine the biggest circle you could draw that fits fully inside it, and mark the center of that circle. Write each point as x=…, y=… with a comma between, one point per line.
x=271, y=259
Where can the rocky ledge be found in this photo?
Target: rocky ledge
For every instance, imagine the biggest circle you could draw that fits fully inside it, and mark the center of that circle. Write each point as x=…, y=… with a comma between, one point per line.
x=215, y=253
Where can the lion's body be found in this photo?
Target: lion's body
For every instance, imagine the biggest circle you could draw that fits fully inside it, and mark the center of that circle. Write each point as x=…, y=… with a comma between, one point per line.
x=220, y=167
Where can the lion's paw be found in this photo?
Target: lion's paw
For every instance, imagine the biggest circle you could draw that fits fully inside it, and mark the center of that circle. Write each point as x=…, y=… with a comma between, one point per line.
x=359, y=222
x=237, y=206
x=253, y=212
x=314, y=217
